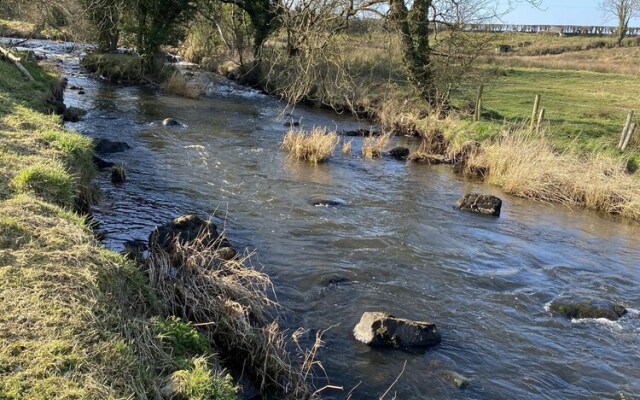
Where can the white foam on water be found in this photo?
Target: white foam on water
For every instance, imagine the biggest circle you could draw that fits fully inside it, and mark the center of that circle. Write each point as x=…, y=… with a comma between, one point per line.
x=598, y=321
x=547, y=306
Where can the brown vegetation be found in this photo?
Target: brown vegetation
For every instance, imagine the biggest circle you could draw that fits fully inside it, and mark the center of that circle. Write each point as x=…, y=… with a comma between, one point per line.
x=178, y=85
x=315, y=146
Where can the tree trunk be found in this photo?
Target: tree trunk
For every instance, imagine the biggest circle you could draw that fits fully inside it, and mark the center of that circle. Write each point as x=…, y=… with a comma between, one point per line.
x=413, y=28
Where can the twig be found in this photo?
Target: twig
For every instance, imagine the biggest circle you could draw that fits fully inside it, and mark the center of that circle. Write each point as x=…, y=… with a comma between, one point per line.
x=394, y=382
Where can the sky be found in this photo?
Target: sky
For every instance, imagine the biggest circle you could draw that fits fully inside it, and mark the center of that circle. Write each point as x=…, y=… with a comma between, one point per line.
x=561, y=12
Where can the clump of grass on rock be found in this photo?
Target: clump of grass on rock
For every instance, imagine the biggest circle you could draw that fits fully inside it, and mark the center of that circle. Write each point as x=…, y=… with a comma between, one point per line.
x=315, y=146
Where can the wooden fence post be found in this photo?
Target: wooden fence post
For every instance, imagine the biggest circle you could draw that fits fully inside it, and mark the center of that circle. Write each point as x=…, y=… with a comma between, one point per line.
x=625, y=130
x=536, y=105
x=627, y=140
x=540, y=119
x=478, y=111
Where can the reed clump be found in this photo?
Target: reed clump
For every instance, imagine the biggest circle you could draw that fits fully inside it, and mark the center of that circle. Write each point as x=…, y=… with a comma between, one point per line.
x=531, y=167
x=373, y=146
x=228, y=300
x=178, y=85
x=315, y=146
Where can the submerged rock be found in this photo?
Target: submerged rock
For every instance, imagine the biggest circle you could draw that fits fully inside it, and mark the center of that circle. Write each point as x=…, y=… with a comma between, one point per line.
x=73, y=114
x=399, y=153
x=580, y=308
x=102, y=164
x=106, y=146
x=480, y=203
x=361, y=132
x=187, y=229
x=171, y=122
x=384, y=330
x=290, y=124
x=459, y=380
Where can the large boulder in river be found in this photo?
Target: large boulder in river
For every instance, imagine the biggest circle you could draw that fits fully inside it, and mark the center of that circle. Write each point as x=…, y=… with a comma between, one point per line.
x=384, y=330
x=399, y=153
x=106, y=146
x=480, y=203
x=188, y=229
x=580, y=309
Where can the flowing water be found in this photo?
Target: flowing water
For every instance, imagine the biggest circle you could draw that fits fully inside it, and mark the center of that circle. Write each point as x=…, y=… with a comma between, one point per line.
x=396, y=244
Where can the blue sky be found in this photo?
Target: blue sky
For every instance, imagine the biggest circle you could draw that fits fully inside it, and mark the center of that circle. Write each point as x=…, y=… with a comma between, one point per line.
x=561, y=12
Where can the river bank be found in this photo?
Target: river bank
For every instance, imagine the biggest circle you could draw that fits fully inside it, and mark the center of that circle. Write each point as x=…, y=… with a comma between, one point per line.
x=80, y=321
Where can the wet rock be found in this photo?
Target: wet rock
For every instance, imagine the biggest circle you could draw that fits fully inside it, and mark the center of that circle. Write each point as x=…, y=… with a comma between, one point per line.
x=102, y=164
x=327, y=202
x=106, y=146
x=399, y=153
x=82, y=92
x=73, y=114
x=460, y=381
x=480, y=203
x=289, y=124
x=361, y=133
x=334, y=280
x=74, y=87
x=384, y=330
x=580, y=308
x=118, y=174
x=431, y=159
x=171, y=122
x=184, y=230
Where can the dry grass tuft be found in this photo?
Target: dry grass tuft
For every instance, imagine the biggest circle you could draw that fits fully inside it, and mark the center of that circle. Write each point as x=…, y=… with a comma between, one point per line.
x=374, y=146
x=530, y=167
x=178, y=85
x=229, y=301
x=346, y=147
x=315, y=146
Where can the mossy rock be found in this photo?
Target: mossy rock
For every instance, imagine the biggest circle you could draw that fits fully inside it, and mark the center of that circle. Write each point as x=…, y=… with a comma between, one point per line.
x=580, y=309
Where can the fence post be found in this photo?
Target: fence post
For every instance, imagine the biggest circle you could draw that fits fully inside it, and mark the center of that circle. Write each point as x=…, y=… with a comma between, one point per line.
x=625, y=130
x=627, y=140
x=478, y=112
x=540, y=118
x=536, y=104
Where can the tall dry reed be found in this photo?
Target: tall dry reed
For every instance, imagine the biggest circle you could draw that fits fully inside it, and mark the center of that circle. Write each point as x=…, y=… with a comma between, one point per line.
x=374, y=146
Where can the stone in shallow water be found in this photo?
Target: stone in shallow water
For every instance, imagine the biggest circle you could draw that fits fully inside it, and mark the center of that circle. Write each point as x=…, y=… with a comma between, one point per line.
x=399, y=153
x=106, y=146
x=384, y=330
x=480, y=203
x=185, y=229
x=171, y=122
x=580, y=309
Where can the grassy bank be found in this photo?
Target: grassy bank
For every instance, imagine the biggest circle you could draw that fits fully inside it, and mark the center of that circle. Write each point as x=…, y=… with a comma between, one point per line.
x=77, y=321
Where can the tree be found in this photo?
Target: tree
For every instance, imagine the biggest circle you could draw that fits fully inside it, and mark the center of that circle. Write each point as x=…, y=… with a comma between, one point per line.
x=105, y=16
x=623, y=11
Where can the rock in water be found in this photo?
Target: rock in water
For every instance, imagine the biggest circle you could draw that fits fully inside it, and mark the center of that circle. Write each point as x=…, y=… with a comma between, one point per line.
x=480, y=203
x=102, y=164
x=399, y=153
x=118, y=174
x=384, y=330
x=186, y=229
x=170, y=122
x=106, y=146
x=580, y=309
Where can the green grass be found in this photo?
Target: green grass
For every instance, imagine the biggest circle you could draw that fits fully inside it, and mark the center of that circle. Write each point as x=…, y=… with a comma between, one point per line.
x=114, y=67
x=583, y=110
x=77, y=321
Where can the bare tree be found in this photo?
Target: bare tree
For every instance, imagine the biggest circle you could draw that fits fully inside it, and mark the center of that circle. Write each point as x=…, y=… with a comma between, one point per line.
x=623, y=11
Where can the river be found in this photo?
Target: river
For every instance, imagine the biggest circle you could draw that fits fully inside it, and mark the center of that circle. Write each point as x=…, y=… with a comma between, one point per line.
x=396, y=244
